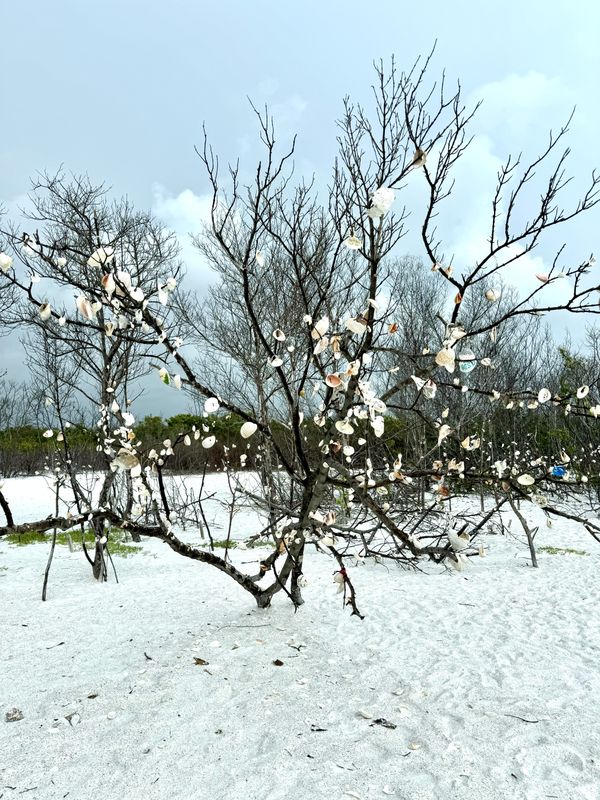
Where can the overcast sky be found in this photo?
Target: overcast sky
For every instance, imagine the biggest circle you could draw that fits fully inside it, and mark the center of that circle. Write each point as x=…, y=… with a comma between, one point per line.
x=120, y=89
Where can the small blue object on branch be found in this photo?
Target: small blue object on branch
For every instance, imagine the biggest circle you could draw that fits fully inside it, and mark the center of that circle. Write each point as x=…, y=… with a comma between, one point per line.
x=558, y=472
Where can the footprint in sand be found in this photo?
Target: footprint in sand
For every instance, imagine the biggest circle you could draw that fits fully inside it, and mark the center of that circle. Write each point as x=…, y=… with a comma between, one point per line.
x=550, y=762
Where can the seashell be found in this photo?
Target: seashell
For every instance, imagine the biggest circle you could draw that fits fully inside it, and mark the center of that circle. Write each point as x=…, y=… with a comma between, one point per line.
x=103, y=255
x=108, y=283
x=84, y=307
x=446, y=358
x=5, y=262
x=443, y=432
x=493, y=295
x=321, y=345
x=381, y=202
x=526, y=480
x=126, y=459
x=353, y=243
x=320, y=329
x=248, y=429
x=356, y=325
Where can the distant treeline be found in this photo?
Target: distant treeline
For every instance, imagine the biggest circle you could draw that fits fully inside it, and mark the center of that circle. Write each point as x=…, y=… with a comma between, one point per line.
x=24, y=450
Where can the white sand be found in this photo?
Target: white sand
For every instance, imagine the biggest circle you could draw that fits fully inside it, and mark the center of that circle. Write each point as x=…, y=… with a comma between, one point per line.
x=453, y=660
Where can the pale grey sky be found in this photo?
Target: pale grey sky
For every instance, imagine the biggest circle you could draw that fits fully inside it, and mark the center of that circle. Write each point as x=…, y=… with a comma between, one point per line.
x=120, y=88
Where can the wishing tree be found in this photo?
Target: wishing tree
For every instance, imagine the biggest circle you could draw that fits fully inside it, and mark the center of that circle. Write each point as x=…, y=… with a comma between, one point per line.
x=373, y=392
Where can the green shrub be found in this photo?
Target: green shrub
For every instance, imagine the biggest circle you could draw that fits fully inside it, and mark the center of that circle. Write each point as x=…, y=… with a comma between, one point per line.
x=557, y=551
x=117, y=545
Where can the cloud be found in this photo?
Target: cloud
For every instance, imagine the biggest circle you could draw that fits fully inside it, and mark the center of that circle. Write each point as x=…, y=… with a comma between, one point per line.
x=12, y=208
x=514, y=106
x=185, y=214
x=286, y=112
x=515, y=115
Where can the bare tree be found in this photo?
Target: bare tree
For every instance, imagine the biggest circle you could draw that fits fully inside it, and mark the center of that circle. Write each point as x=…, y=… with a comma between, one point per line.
x=80, y=237
x=314, y=341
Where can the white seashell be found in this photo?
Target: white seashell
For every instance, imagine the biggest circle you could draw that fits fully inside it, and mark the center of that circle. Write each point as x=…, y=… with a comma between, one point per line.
x=356, y=325
x=583, y=391
x=353, y=243
x=248, y=429
x=456, y=332
x=419, y=382
x=443, y=432
x=446, y=358
x=378, y=425
x=211, y=405
x=381, y=202
x=123, y=278
x=108, y=284
x=458, y=542
x=526, y=480
x=126, y=459
x=103, y=255
x=5, y=262
x=321, y=345
x=320, y=329
x=208, y=442
x=493, y=295
x=84, y=307
x=544, y=395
